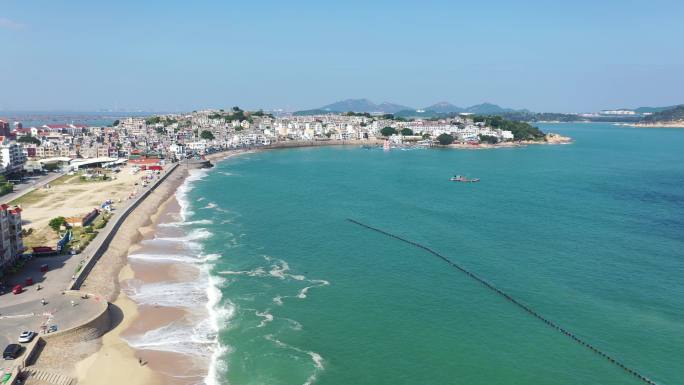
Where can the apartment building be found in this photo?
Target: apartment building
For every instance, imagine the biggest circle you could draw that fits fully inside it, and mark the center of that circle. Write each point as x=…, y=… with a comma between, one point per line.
x=12, y=156
x=11, y=243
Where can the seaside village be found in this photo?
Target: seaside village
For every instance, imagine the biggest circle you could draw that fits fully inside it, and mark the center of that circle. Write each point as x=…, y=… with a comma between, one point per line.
x=92, y=169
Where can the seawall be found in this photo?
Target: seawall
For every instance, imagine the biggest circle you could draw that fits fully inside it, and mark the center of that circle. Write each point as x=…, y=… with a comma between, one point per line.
x=100, y=244
x=316, y=143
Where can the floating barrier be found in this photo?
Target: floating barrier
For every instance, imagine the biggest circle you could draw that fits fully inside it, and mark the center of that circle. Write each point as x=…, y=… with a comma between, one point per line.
x=512, y=300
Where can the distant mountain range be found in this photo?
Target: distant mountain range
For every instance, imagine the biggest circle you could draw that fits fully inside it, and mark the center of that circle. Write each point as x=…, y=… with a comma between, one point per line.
x=365, y=105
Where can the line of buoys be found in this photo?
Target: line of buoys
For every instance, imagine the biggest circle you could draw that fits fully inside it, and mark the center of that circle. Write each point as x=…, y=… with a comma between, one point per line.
x=514, y=301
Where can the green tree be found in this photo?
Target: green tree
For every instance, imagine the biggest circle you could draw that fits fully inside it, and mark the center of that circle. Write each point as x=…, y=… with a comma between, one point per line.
x=489, y=139
x=29, y=139
x=153, y=120
x=407, y=132
x=388, y=131
x=207, y=135
x=160, y=130
x=445, y=139
x=5, y=186
x=116, y=123
x=56, y=223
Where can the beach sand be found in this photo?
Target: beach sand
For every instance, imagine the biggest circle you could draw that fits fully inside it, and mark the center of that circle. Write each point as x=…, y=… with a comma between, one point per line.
x=116, y=362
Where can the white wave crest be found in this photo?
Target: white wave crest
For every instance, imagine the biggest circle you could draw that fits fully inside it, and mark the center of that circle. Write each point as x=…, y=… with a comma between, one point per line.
x=172, y=294
x=165, y=258
x=194, y=235
x=188, y=223
x=185, y=188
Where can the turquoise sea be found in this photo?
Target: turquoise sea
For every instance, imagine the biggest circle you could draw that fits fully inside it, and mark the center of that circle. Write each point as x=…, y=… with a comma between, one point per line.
x=591, y=235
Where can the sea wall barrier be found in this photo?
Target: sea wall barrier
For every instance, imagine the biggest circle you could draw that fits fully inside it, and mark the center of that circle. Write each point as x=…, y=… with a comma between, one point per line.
x=99, y=245
x=317, y=143
x=516, y=302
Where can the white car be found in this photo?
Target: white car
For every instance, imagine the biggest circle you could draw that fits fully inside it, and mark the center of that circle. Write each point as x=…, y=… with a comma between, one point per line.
x=25, y=337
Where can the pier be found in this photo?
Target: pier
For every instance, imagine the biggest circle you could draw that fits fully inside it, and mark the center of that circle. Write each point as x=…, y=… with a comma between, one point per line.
x=514, y=301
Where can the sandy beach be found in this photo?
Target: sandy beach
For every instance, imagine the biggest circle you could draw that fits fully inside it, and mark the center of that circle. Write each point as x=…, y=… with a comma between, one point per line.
x=113, y=360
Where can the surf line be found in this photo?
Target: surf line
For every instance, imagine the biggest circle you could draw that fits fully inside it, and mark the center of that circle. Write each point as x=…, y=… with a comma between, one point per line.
x=514, y=301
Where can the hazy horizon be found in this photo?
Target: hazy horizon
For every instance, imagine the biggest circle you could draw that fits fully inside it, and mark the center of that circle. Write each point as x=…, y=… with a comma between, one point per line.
x=81, y=56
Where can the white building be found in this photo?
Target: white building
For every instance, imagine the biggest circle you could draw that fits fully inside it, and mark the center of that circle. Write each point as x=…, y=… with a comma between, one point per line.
x=12, y=156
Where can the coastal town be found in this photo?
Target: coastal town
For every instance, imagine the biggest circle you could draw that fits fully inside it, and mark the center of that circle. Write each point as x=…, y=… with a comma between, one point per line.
x=177, y=136
x=69, y=187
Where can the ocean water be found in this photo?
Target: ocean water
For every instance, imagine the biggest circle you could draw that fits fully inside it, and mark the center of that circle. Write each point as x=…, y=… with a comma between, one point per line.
x=590, y=235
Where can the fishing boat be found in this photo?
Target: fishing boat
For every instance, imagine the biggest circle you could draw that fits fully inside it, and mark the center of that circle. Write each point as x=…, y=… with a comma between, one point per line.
x=460, y=178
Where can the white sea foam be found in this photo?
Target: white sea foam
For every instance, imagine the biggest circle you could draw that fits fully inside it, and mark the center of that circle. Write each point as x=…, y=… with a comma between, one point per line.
x=218, y=315
x=185, y=188
x=172, y=294
x=179, y=258
x=267, y=317
x=197, y=334
x=318, y=282
x=316, y=359
x=194, y=235
x=258, y=272
x=178, y=337
x=188, y=223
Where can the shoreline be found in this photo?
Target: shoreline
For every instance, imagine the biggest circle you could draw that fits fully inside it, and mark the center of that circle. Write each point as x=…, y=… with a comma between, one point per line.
x=673, y=124
x=136, y=319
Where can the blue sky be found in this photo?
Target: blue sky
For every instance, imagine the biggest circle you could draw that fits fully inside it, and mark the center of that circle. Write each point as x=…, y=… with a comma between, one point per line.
x=181, y=55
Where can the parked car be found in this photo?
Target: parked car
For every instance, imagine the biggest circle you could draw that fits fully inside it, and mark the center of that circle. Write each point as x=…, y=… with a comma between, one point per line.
x=26, y=336
x=11, y=351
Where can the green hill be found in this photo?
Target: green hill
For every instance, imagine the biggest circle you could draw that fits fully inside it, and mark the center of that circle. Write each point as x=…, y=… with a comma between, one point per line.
x=676, y=113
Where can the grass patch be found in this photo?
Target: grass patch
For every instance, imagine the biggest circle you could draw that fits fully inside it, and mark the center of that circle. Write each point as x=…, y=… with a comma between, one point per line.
x=30, y=198
x=36, y=238
x=64, y=179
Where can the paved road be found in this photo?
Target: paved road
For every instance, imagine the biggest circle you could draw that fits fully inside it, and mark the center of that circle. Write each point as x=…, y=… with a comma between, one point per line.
x=58, y=310
x=29, y=185
x=61, y=269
